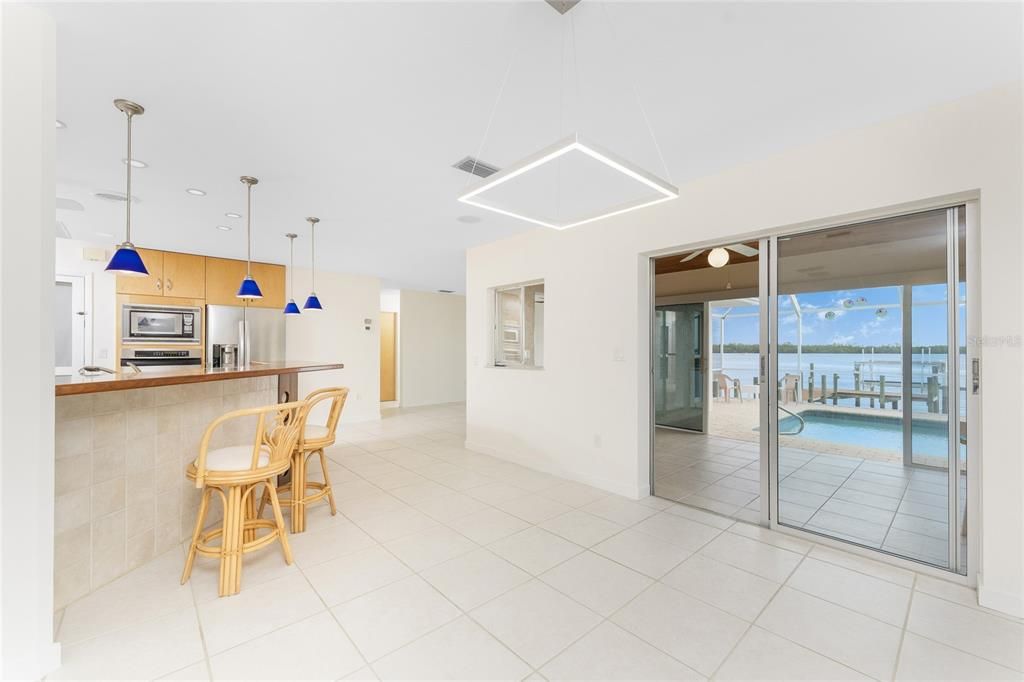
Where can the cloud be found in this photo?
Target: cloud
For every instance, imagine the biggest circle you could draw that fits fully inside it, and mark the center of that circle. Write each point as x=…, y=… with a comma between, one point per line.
x=842, y=339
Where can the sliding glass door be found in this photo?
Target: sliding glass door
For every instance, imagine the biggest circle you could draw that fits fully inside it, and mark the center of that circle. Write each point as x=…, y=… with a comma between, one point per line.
x=679, y=381
x=866, y=350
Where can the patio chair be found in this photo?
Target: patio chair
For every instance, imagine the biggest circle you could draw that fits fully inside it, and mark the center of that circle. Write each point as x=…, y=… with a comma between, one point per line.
x=726, y=384
x=790, y=388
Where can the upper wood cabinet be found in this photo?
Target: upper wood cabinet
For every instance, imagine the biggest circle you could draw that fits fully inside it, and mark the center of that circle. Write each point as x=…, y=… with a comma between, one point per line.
x=184, y=275
x=151, y=284
x=271, y=280
x=223, y=276
x=181, y=275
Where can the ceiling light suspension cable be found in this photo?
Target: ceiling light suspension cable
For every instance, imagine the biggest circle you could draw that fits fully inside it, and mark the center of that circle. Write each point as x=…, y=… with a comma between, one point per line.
x=126, y=260
x=291, y=308
x=249, y=288
x=313, y=302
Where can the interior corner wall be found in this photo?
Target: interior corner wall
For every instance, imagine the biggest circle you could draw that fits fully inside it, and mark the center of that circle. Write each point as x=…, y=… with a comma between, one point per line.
x=339, y=334
x=586, y=415
x=431, y=348
x=27, y=168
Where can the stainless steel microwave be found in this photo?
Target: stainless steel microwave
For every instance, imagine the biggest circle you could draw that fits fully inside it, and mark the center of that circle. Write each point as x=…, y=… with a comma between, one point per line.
x=161, y=324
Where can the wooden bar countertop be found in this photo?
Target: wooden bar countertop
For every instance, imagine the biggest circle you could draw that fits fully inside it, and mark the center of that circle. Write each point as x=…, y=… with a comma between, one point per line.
x=169, y=376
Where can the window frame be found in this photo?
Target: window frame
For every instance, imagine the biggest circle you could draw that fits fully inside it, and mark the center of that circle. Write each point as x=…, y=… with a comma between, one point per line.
x=500, y=332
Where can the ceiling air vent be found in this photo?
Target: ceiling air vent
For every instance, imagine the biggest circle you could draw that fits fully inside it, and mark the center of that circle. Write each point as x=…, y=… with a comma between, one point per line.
x=446, y=291
x=563, y=6
x=476, y=167
x=110, y=196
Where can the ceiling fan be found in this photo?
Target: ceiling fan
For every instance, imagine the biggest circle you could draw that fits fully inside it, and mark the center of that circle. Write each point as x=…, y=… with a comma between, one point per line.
x=719, y=256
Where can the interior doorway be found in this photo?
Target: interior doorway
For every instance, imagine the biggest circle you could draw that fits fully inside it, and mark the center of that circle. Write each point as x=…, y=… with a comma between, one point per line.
x=388, y=357
x=706, y=384
x=839, y=392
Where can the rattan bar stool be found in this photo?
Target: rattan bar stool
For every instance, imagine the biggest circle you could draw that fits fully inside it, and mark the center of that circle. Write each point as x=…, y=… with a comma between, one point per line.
x=234, y=473
x=312, y=441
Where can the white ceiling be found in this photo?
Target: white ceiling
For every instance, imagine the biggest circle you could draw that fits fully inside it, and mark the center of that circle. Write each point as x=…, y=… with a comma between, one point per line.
x=355, y=112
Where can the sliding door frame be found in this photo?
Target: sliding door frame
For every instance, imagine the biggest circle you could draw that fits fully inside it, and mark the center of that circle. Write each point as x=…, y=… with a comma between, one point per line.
x=770, y=398
x=768, y=323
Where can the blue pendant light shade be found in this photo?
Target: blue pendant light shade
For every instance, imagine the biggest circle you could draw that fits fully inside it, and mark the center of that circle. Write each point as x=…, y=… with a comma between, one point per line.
x=313, y=302
x=290, y=308
x=249, y=288
x=126, y=260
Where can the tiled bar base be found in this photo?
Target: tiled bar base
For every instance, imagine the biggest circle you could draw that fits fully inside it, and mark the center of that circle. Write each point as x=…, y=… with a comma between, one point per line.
x=121, y=493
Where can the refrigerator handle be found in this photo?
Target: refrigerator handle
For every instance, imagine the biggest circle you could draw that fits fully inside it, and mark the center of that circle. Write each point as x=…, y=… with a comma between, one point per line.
x=243, y=343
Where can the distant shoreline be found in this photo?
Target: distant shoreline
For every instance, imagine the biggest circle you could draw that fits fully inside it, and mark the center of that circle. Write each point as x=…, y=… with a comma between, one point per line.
x=832, y=348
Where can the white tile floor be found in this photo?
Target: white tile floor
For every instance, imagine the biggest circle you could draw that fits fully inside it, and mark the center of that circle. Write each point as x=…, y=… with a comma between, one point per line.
x=876, y=504
x=447, y=564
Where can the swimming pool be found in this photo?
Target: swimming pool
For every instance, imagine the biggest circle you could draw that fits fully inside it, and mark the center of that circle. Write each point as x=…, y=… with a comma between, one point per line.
x=884, y=433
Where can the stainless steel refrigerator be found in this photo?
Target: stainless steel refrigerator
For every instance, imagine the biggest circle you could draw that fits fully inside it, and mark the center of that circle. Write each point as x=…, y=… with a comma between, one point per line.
x=259, y=332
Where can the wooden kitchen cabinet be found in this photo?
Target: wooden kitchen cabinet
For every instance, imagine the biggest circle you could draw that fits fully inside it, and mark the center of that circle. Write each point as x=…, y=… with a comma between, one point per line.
x=223, y=277
x=271, y=280
x=151, y=285
x=184, y=275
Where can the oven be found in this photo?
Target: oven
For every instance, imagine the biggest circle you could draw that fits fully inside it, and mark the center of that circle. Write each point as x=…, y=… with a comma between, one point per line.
x=161, y=324
x=141, y=357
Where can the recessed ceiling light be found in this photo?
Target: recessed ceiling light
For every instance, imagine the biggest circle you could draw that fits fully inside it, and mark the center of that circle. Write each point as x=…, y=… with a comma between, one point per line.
x=61, y=124
x=195, y=192
x=224, y=228
x=136, y=163
x=468, y=219
x=233, y=215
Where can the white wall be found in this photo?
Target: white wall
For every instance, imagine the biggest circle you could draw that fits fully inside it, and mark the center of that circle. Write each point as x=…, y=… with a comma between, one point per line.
x=586, y=414
x=101, y=297
x=338, y=334
x=29, y=79
x=432, y=348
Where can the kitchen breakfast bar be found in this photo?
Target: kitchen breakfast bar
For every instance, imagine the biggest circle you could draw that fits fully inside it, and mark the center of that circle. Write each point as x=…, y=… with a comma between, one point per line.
x=123, y=442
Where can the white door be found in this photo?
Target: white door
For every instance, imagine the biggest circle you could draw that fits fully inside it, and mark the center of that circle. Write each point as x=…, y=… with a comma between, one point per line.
x=69, y=324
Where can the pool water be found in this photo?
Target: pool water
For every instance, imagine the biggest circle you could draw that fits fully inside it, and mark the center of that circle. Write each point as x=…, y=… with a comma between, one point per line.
x=884, y=433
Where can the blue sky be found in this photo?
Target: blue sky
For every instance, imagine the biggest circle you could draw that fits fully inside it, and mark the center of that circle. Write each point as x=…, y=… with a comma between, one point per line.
x=847, y=326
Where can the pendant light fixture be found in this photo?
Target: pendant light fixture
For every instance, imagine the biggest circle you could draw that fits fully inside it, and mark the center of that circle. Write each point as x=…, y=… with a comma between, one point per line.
x=249, y=289
x=313, y=302
x=126, y=260
x=291, y=308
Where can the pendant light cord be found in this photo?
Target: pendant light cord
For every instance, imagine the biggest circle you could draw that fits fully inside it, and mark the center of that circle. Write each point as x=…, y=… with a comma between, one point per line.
x=312, y=258
x=128, y=199
x=497, y=100
x=291, y=266
x=248, y=230
x=636, y=93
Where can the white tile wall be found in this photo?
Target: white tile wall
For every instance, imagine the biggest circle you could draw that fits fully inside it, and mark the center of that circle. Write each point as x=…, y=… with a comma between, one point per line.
x=121, y=492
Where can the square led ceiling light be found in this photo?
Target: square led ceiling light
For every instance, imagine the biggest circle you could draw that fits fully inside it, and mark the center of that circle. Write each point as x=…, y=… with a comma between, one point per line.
x=570, y=183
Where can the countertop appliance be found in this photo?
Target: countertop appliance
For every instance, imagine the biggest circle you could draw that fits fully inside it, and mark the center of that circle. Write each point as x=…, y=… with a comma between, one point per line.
x=224, y=355
x=145, y=323
x=145, y=357
x=259, y=332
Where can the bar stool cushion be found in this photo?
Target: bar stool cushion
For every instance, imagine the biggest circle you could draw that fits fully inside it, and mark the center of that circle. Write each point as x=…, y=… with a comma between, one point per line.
x=314, y=432
x=235, y=458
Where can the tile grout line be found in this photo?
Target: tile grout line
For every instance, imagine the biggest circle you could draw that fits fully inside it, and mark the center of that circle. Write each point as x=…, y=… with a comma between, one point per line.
x=903, y=630
x=750, y=624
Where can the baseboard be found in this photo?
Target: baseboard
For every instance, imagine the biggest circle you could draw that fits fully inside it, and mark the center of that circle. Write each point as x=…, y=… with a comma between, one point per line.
x=1005, y=602
x=537, y=464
